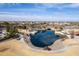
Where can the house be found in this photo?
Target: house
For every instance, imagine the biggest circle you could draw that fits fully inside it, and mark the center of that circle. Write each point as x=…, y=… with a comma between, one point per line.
x=70, y=29
x=3, y=32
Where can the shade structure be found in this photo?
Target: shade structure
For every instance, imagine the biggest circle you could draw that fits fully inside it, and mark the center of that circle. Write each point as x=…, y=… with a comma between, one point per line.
x=44, y=38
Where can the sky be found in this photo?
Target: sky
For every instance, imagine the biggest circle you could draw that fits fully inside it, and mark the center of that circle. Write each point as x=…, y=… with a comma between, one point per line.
x=39, y=12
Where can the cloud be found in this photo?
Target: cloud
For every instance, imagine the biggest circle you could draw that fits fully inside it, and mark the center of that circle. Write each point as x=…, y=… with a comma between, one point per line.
x=59, y=17
x=74, y=5
x=59, y=6
x=45, y=5
x=40, y=12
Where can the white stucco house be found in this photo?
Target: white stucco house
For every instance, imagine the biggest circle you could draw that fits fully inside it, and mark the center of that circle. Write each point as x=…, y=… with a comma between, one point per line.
x=3, y=32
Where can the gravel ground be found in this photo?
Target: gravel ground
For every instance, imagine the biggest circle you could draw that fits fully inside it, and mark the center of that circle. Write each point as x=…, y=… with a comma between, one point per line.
x=18, y=48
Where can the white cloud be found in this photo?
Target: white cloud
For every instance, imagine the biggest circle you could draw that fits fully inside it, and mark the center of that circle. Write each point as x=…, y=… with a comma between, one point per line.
x=74, y=5
x=45, y=5
x=59, y=17
x=59, y=6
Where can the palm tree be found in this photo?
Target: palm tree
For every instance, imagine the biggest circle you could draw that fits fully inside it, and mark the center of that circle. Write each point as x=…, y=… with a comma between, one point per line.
x=11, y=29
x=7, y=26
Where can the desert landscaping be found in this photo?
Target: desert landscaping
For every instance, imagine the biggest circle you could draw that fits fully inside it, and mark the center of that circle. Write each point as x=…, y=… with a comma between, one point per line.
x=15, y=45
x=14, y=48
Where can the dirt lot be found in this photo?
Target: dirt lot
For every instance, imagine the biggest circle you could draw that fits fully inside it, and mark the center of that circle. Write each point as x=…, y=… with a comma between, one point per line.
x=17, y=48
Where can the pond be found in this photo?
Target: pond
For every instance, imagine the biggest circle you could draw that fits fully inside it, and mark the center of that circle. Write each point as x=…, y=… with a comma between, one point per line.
x=44, y=38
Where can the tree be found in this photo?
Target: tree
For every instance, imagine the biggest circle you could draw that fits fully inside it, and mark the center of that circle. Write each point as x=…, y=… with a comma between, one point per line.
x=11, y=29
x=7, y=26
